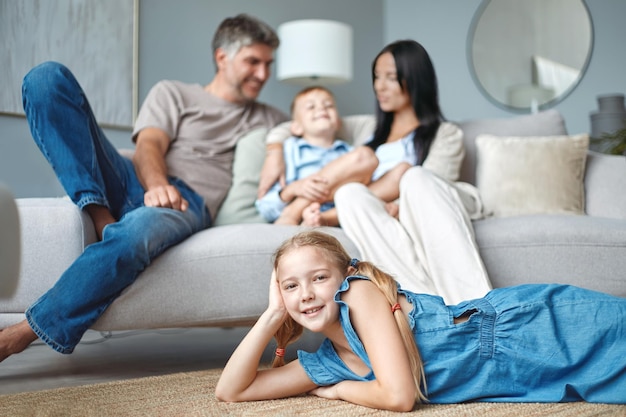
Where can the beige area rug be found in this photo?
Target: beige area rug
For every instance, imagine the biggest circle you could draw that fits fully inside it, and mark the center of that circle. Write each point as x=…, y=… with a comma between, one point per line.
x=191, y=394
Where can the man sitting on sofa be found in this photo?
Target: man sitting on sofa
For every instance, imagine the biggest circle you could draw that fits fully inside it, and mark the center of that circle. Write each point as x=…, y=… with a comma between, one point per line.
x=185, y=137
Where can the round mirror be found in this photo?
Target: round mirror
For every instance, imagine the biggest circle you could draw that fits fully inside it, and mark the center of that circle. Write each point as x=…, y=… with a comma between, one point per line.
x=529, y=55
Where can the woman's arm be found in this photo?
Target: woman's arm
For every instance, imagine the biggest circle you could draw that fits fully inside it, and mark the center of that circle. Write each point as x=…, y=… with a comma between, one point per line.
x=387, y=187
x=372, y=319
x=313, y=188
x=354, y=166
x=242, y=380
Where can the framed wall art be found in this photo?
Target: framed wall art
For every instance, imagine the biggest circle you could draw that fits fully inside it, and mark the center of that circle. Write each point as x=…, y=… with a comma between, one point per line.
x=96, y=39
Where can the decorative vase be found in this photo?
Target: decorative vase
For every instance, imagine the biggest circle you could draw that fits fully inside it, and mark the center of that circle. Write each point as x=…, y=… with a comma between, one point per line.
x=610, y=117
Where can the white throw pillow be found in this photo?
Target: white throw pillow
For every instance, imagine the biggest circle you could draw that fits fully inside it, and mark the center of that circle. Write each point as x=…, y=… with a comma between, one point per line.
x=531, y=175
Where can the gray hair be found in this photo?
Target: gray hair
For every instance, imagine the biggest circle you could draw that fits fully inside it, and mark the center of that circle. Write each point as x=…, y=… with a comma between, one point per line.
x=243, y=30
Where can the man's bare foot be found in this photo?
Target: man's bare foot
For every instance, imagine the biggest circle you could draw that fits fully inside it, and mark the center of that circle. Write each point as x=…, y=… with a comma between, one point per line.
x=100, y=217
x=15, y=339
x=312, y=216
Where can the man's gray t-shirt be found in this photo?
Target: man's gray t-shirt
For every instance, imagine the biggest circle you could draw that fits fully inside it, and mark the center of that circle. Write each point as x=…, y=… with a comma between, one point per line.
x=204, y=130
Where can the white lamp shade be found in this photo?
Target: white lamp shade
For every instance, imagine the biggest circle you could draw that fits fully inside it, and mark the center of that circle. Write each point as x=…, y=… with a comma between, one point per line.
x=314, y=52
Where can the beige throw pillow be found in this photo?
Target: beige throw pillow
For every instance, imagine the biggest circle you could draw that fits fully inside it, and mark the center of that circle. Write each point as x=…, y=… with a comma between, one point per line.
x=531, y=175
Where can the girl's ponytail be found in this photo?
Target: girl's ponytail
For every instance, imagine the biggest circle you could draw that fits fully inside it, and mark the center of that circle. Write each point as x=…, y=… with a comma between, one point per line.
x=289, y=332
x=389, y=288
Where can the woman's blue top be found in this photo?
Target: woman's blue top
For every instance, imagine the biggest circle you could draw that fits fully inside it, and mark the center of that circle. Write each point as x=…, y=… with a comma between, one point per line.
x=390, y=154
x=528, y=343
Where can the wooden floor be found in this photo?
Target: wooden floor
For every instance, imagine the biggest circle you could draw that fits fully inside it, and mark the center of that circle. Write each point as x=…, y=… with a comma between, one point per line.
x=123, y=355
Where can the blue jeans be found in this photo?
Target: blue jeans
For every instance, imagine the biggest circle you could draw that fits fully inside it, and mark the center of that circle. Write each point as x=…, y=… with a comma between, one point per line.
x=93, y=172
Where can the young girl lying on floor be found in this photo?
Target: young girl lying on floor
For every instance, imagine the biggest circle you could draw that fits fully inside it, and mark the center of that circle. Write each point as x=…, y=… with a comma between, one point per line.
x=388, y=348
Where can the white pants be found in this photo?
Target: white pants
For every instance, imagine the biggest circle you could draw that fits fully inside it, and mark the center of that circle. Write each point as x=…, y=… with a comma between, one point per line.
x=431, y=248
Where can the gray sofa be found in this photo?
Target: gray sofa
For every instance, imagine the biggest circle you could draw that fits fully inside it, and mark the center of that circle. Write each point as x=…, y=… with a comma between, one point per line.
x=219, y=277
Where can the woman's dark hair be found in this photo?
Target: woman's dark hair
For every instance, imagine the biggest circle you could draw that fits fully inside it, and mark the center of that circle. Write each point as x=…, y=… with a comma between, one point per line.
x=416, y=74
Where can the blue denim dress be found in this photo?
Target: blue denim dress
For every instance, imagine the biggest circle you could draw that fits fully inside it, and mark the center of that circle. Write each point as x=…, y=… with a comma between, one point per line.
x=529, y=343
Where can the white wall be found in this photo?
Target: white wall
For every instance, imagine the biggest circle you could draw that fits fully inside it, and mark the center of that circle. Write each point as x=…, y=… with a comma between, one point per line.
x=443, y=27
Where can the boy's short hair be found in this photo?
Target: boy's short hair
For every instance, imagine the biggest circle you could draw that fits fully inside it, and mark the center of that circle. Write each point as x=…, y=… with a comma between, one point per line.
x=243, y=30
x=306, y=91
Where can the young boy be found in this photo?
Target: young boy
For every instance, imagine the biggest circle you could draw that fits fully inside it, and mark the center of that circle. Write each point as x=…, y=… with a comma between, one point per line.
x=312, y=146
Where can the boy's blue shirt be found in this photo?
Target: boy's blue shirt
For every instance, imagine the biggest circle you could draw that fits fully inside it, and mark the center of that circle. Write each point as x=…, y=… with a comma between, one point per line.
x=301, y=160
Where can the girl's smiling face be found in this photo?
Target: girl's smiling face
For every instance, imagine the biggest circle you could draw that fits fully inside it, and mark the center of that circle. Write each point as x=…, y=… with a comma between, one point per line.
x=308, y=282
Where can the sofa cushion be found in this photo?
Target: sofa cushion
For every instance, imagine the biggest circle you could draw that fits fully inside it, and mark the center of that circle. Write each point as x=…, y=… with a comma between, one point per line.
x=217, y=277
x=554, y=248
x=546, y=123
x=238, y=207
x=54, y=233
x=605, y=185
x=529, y=175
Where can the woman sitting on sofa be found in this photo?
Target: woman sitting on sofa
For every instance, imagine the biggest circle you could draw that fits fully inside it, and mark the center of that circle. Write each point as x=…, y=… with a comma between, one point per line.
x=426, y=240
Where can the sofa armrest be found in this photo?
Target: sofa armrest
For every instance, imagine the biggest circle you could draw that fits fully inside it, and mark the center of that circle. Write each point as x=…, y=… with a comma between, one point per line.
x=9, y=243
x=54, y=232
x=605, y=185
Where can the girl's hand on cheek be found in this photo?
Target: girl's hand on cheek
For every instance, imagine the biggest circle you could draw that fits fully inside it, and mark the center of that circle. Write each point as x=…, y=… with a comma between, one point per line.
x=276, y=299
x=328, y=392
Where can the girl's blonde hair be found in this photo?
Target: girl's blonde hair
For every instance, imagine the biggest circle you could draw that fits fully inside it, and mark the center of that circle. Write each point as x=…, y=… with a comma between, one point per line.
x=335, y=253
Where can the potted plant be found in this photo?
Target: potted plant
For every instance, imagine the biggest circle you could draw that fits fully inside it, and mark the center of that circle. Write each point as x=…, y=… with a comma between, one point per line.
x=612, y=143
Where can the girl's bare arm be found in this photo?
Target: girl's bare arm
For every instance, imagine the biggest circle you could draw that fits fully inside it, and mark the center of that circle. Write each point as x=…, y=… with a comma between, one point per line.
x=358, y=165
x=241, y=379
x=373, y=321
x=387, y=187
